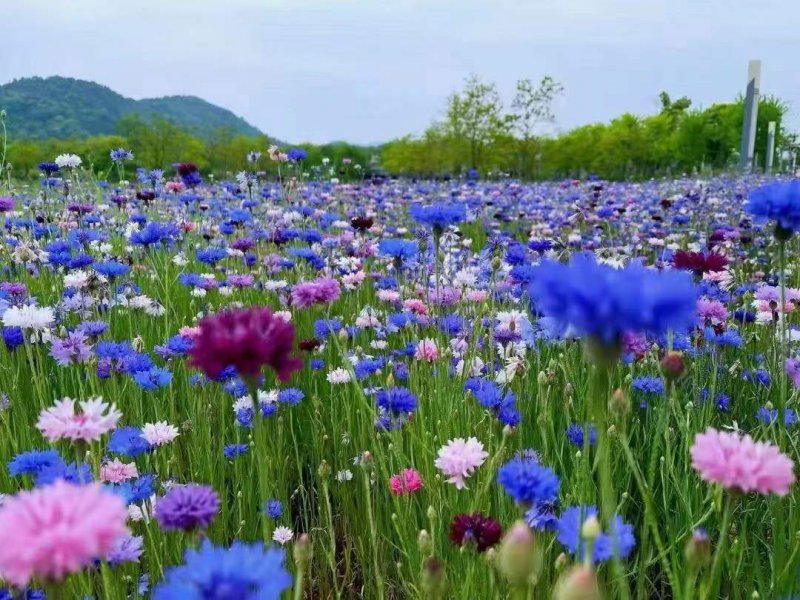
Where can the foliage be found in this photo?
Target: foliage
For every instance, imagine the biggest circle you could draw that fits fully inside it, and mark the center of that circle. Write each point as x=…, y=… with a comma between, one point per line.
x=62, y=107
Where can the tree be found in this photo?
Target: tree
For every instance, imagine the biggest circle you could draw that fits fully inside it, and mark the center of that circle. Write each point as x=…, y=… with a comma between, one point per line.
x=532, y=106
x=475, y=115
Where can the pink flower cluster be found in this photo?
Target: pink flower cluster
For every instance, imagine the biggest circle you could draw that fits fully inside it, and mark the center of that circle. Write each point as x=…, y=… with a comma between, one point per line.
x=405, y=482
x=59, y=529
x=319, y=291
x=737, y=462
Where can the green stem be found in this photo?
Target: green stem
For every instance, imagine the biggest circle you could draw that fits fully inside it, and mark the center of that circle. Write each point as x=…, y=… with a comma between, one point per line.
x=722, y=546
x=373, y=534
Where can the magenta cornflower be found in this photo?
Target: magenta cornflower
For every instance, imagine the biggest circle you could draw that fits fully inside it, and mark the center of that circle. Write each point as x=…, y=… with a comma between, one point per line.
x=737, y=462
x=92, y=421
x=59, y=529
x=405, y=482
x=319, y=291
x=247, y=339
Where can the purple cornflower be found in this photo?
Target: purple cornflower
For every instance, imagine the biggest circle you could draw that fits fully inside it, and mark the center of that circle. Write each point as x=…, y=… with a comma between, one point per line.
x=187, y=507
x=319, y=291
x=73, y=348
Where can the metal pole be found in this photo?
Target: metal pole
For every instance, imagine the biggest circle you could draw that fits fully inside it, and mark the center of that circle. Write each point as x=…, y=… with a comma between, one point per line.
x=770, y=146
x=750, y=116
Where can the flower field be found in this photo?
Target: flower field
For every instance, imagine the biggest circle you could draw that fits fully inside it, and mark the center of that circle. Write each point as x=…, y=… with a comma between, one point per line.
x=308, y=388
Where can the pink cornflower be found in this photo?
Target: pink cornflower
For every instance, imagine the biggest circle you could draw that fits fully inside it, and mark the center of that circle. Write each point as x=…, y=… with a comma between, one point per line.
x=58, y=529
x=390, y=296
x=459, y=458
x=190, y=332
x=353, y=280
x=116, y=471
x=711, y=312
x=160, y=433
x=405, y=482
x=415, y=306
x=736, y=461
x=240, y=280
x=426, y=350
x=477, y=295
x=635, y=343
x=174, y=186
x=61, y=421
x=319, y=291
x=445, y=296
x=248, y=339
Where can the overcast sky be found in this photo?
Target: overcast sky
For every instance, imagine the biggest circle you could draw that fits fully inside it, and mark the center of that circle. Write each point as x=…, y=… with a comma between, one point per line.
x=370, y=70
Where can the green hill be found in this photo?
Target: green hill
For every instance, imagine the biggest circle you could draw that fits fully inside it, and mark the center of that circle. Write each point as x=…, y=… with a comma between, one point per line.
x=62, y=107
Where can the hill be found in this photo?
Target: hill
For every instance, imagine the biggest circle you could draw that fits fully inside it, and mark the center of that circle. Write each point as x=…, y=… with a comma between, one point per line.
x=62, y=107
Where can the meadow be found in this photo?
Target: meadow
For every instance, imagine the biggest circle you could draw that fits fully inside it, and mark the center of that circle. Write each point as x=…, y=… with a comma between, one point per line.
x=305, y=388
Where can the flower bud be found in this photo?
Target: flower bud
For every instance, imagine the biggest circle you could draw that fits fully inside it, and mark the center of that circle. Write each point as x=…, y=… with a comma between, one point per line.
x=579, y=583
x=433, y=579
x=698, y=549
x=673, y=365
x=302, y=550
x=324, y=470
x=590, y=530
x=431, y=513
x=424, y=542
x=518, y=558
x=619, y=406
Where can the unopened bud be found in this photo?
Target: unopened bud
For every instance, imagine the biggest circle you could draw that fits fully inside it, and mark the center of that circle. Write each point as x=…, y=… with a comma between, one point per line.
x=324, y=470
x=302, y=550
x=579, y=583
x=343, y=334
x=673, y=365
x=424, y=542
x=590, y=530
x=390, y=380
x=434, y=579
x=698, y=549
x=518, y=558
x=542, y=378
x=619, y=406
x=432, y=513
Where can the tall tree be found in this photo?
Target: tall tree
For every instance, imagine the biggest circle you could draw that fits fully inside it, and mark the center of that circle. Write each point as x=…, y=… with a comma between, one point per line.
x=475, y=115
x=532, y=107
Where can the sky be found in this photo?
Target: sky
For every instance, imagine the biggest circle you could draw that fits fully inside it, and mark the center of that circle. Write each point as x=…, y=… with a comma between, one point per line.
x=367, y=71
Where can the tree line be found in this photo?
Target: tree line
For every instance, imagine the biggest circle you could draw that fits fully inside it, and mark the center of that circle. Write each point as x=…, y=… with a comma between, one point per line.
x=477, y=133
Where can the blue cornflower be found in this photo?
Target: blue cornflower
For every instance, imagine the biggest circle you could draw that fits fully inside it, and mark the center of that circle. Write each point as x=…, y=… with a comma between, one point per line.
x=120, y=154
x=397, y=400
x=324, y=327
x=290, y=396
x=575, y=435
x=137, y=490
x=72, y=473
x=528, y=482
x=779, y=202
x=231, y=451
x=153, y=378
x=438, y=216
x=241, y=571
x=128, y=441
x=48, y=168
x=541, y=516
x=646, y=385
x=273, y=508
x=93, y=329
x=400, y=249
x=602, y=302
x=769, y=416
x=13, y=337
x=111, y=269
x=316, y=364
x=620, y=538
x=297, y=154
x=33, y=462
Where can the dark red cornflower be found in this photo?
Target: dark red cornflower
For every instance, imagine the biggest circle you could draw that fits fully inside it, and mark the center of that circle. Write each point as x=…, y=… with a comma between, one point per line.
x=186, y=168
x=483, y=532
x=698, y=262
x=247, y=339
x=309, y=344
x=145, y=195
x=361, y=223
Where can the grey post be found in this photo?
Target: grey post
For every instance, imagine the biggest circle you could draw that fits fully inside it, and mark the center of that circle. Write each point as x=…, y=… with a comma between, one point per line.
x=750, y=116
x=770, y=146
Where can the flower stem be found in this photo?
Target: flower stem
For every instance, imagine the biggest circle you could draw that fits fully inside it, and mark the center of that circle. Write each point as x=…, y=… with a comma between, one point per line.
x=722, y=546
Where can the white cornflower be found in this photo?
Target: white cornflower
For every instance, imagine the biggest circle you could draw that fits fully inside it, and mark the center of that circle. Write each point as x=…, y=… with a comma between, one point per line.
x=160, y=433
x=282, y=535
x=76, y=279
x=69, y=161
x=344, y=475
x=38, y=318
x=339, y=375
